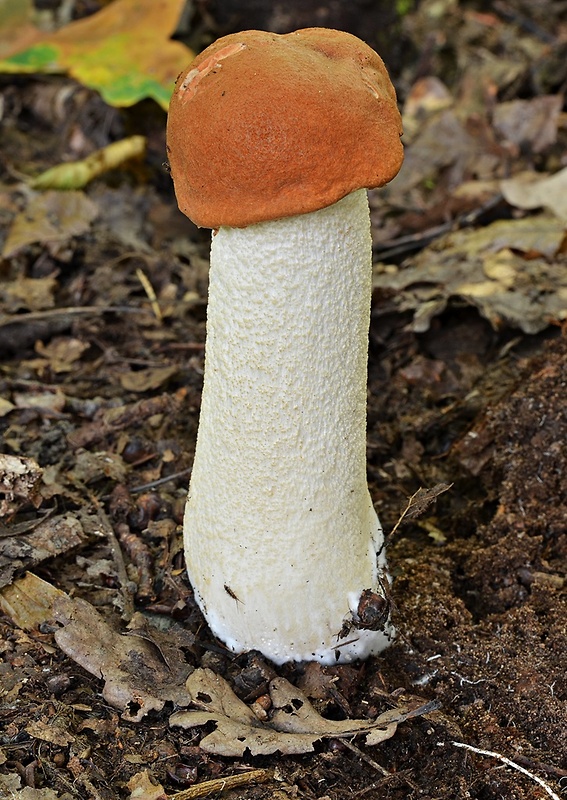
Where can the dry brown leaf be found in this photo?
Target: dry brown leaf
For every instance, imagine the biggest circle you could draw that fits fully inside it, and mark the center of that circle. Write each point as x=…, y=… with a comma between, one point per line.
x=29, y=601
x=90, y=467
x=50, y=217
x=5, y=406
x=10, y=787
x=529, y=123
x=41, y=397
x=418, y=504
x=422, y=499
x=49, y=538
x=142, y=787
x=146, y=379
x=294, y=727
x=318, y=682
x=427, y=96
x=53, y=731
x=61, y=353
x=19, y=483
x=137, y=678
x=442, y=142
x=532, y=190
x=508, y=269
x=28, y=294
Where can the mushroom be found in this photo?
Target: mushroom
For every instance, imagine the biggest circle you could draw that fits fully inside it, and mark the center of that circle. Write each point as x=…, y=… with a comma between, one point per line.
x=272, y=142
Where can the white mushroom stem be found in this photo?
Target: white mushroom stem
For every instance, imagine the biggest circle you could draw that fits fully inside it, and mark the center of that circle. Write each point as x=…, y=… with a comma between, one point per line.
x=281, y=536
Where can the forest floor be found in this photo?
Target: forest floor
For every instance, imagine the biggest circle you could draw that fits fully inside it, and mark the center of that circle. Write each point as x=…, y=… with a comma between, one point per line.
x=100, y=385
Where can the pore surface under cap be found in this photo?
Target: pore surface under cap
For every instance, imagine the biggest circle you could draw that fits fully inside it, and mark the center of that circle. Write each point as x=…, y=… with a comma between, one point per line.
x=263, y=126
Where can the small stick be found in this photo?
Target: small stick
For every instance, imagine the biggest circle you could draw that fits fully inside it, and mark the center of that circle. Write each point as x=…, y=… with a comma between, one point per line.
x=419, y=502
x=509, y=763
x=145, y=486
x=149, y=290
x=69, y=311
x=206, y=788
x=370, y=761
x=115, y=549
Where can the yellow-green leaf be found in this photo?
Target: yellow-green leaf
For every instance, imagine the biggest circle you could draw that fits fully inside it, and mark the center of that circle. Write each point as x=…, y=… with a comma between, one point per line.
x=124, y=51
x=17, y=30
x=76, y=174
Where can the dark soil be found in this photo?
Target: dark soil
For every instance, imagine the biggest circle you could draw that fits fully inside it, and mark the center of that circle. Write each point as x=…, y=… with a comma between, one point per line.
x=479, y=587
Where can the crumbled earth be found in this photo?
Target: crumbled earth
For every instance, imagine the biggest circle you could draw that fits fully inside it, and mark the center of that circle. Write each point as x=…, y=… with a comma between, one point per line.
x=103, y=392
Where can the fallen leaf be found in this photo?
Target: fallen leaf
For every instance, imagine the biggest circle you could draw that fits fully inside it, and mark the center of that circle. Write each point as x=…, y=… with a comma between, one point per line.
x=423, y=498
x=137, y=679
x=317, y=681
x=508, y=269
x=442, y=142
x=294, y=727
x=41, y=398
x=49, y=538
x=50, y=732
x=427, y=96
x=10, y=787
x=17, y=30
x=52, y=217
x=530, y=190
x=146, y=379
x=28, y=294
x=29, y=601
x=90, y=467
x=143, y=787
x=541, y=234
x=61, y=353
x=529, y=123
x=19, y=483
x=5, y=406
x=124, y=51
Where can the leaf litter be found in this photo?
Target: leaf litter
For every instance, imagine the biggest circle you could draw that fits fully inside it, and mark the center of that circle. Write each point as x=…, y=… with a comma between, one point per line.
x=478, y=584
x=513, y=271
x=294, y=725
x=143, y=668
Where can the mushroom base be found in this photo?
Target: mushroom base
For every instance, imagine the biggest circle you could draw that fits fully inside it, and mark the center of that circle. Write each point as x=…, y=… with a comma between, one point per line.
x=281, y=537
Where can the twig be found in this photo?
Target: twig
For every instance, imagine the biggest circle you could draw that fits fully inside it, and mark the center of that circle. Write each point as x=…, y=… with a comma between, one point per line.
x=419, y=502
x=509, y=763
x=558, y=773
x=149, y=290
x=510, y=14
x=206, y=788
x=416, y=241
x=145, y=486
x=118, y=558
x=71, y=311
x=400, y=777
x=116, y=550
x=370, y=761
x=378, y=767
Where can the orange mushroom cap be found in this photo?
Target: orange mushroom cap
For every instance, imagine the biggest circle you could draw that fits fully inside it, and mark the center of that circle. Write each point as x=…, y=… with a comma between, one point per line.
x=263, y=126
